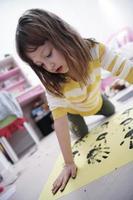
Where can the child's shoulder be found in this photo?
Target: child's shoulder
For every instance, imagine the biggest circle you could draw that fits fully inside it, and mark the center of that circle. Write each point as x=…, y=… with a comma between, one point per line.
x=97, y=50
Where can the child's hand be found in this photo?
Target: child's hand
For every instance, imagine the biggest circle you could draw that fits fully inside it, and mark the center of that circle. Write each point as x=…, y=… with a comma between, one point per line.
x=70, y=170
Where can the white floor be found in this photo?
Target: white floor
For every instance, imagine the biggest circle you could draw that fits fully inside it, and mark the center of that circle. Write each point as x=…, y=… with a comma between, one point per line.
x=35, y=167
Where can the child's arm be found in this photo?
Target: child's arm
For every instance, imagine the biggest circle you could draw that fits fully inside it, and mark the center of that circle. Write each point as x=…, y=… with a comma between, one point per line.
x=117, y=64
x=70, y=169
x=62, y=132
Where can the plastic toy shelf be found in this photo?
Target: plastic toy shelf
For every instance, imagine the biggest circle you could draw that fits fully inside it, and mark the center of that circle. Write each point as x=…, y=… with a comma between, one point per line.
x=6, y=75
x=29, y=95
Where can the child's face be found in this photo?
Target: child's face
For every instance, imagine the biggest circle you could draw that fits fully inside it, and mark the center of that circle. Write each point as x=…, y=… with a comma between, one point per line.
x=50, y=58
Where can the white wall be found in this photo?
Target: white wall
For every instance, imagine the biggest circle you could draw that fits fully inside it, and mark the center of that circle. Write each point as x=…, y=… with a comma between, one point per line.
x=92, y=18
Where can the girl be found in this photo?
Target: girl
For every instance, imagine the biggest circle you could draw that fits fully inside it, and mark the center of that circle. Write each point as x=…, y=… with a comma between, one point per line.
x=69, y=67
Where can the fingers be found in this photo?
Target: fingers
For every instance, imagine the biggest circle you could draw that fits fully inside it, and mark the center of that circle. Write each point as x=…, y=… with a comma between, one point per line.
x=60, y=184
x=57, y=184
x=74, y=173
x=63, y=178
x=64, y=183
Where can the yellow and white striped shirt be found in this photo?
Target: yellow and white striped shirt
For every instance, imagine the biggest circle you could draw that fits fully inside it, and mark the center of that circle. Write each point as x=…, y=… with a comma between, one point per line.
x=86, y=100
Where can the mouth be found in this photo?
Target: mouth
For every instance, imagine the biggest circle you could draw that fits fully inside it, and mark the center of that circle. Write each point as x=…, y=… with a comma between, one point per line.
x=59, y=69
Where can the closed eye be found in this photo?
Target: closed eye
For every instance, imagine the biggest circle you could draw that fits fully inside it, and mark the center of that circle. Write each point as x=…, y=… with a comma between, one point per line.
x=49, y=54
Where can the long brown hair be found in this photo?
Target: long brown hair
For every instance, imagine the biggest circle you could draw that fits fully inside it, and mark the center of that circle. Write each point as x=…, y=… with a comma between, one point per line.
x=36, y=26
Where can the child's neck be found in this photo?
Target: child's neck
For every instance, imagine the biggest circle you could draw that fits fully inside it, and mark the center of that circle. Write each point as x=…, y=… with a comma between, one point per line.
x=72, y=76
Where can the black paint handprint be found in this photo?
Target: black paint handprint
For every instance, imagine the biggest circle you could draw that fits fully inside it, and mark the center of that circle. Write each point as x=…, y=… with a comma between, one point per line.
x=129, y=134
x=97, y=153
x=102, y=137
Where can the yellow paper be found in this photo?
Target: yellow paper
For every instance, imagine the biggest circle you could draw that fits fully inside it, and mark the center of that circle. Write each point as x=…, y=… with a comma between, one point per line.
x=103, y=150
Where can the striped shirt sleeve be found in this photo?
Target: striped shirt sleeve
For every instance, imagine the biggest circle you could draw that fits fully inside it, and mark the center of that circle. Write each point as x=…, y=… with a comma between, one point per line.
x=115, y=63
x=57, y=105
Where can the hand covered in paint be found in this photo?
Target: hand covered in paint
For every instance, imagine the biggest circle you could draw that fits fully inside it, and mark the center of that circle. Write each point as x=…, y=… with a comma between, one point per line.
x=69, y=170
